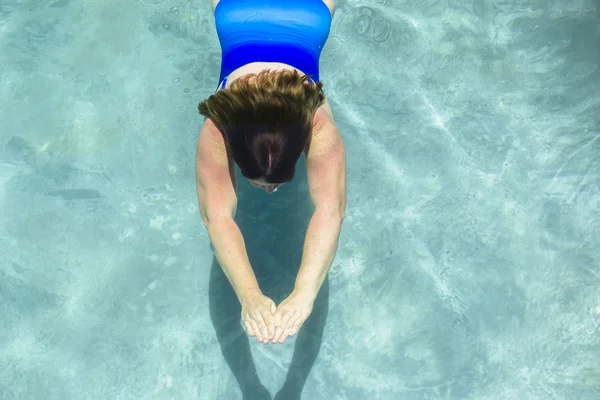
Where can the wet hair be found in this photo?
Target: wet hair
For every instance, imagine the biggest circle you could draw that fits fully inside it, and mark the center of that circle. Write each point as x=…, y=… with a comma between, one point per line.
x=266, y=120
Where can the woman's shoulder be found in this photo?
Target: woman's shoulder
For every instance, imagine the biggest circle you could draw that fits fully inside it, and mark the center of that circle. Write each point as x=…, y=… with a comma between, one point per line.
x=323, y=117
x=210, y=130
x=210, y=141
x=324, y=131
x=326, y=141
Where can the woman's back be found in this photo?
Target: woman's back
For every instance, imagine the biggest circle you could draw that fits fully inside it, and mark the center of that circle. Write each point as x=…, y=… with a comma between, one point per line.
x=274, y=34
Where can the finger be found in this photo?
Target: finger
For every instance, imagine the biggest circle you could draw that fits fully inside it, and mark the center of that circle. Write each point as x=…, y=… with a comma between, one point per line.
x=268, y=318
x=285, y=319
x=278, y=333
x=280, y=323
x=284, y=335
x=255, y=328
x=264, y=333
x=272, y=319
x=277, y=322
x=296, y=326
x=249, y=329
x=277, y=317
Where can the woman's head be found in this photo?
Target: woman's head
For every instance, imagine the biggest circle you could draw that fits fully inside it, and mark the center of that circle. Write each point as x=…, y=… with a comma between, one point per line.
x=266, y=120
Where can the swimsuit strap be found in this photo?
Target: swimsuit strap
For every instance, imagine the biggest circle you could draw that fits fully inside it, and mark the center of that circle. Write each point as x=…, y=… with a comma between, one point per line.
x=222, y=84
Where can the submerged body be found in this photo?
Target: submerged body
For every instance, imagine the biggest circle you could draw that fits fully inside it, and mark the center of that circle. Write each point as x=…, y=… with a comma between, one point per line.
x=276, y=35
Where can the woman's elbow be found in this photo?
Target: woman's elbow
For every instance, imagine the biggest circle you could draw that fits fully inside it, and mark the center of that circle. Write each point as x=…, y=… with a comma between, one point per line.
x=214, y=217
x=334, y=212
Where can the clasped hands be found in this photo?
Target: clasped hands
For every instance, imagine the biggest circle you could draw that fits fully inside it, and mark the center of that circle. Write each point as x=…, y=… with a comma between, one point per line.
x=268, y=322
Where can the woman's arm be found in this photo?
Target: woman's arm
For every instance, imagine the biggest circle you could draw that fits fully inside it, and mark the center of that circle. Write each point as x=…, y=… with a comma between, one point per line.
x=326, y=170
x=215, y=183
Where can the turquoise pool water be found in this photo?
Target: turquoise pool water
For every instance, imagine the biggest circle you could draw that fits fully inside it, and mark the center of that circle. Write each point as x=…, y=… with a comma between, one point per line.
x=469, y=260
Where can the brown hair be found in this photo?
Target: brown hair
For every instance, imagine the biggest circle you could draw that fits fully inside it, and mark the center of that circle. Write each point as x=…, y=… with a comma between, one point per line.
x=266, y=120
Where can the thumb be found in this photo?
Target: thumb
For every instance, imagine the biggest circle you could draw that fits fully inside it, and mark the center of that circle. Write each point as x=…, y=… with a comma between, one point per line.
x=273, y=307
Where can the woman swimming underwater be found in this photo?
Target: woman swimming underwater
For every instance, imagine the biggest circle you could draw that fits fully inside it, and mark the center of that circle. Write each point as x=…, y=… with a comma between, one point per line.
x=268, y=110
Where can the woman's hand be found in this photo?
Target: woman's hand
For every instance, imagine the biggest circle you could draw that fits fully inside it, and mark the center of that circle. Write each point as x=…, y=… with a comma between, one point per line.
x=291, y=314
x=257, y=315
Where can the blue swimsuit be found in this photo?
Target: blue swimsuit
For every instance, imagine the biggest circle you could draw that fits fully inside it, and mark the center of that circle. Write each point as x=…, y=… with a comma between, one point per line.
x=292, y=32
